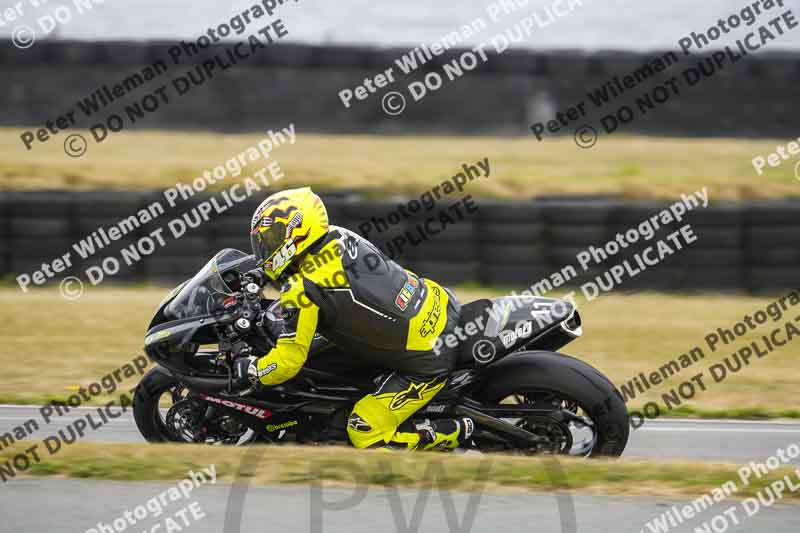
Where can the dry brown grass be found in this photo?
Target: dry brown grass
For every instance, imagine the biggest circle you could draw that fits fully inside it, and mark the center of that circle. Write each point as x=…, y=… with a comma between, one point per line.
x=346, y=466
x=643, y=167
x=628, y=334
x=51, y=344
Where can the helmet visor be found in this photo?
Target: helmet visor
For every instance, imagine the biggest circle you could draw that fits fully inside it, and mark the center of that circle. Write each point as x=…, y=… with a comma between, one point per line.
x=267, y=239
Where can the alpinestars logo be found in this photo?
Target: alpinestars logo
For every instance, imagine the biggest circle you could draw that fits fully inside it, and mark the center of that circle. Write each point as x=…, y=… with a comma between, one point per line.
x=358, y=423
x=413, y=392
x=266, y=370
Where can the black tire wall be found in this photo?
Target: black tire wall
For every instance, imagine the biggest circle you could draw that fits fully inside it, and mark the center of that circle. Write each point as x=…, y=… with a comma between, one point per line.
x=750, y=247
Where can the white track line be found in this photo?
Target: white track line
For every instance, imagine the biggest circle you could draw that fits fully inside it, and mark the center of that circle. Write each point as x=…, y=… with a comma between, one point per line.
x=54, y=419
x=37, y=407
x=785, y=421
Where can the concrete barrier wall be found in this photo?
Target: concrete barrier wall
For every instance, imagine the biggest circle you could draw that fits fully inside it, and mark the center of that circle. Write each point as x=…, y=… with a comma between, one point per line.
x=296, y=83
x=750, y=247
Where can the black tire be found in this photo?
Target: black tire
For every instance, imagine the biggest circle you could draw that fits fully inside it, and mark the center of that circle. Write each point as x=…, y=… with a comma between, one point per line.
x=448, y=273
x=772, y=237
x=514, y=275
x=517, y=255
x=145, y=405
x=583, y=236
x=514, y=233
x=568, y=378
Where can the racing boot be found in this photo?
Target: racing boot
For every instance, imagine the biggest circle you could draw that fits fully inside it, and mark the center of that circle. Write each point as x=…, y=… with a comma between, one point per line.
x=444, y=435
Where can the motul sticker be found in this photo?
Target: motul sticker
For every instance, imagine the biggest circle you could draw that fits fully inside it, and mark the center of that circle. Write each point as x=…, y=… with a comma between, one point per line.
x=243, y=407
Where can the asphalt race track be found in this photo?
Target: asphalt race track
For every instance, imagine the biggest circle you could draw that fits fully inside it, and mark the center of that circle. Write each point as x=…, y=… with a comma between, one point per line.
x=80, y=505
x=76, y=506
x=706, y=440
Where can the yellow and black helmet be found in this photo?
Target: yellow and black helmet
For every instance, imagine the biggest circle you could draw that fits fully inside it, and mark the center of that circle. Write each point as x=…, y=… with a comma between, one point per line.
x=284, y=226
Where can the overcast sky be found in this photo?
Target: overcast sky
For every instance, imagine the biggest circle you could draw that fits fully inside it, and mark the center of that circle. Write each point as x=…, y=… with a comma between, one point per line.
x=598, y=24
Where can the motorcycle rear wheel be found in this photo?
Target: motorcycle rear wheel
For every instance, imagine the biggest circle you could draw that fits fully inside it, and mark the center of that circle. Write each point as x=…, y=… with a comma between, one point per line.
x=561, y=381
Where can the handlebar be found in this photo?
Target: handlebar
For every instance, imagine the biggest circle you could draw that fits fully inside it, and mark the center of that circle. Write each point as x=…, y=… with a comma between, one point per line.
x=246, y=314
x=255, y=276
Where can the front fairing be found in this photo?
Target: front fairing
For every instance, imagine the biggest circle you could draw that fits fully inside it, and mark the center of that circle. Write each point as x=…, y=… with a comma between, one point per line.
x=206, y=292
x=188, y=317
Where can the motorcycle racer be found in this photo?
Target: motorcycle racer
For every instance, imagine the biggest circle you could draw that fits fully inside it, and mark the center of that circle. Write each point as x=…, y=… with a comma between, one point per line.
x=335, y=283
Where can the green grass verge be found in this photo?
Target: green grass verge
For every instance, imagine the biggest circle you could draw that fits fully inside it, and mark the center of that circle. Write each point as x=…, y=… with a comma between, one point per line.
x=340, y=465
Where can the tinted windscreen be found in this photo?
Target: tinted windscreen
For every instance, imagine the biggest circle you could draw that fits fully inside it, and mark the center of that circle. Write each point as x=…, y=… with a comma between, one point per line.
x=205, y=293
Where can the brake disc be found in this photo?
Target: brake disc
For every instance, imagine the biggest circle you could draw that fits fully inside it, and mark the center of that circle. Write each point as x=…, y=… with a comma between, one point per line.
x=557, y=434
x=184, y=420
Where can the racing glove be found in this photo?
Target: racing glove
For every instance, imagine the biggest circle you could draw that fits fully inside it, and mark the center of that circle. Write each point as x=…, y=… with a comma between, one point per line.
x=245, y=374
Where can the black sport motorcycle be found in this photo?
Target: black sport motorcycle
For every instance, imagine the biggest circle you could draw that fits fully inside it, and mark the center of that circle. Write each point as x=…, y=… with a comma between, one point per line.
x=523, y=396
